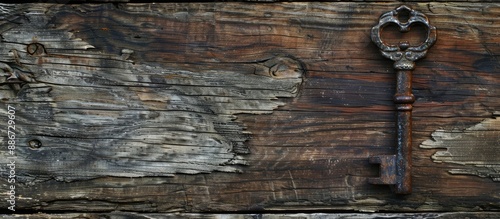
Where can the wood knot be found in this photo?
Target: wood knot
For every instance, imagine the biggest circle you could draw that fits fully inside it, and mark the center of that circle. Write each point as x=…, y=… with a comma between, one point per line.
x=36, y=49
x=34, y=143
x=281, y=67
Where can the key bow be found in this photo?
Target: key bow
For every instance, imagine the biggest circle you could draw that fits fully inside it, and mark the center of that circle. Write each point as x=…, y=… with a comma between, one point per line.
x=403, y=54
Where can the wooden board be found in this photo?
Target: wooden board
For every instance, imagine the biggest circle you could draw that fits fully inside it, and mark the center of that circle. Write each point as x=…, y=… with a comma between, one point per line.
x=225, y=107
x=445, y=215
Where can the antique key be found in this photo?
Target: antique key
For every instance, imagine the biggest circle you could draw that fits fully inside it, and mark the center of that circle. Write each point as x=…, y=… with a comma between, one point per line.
x=395, y=170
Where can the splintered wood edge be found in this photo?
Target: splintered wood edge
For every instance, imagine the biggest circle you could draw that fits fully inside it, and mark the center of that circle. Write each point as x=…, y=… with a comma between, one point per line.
x=107, y=116
x=477, y=148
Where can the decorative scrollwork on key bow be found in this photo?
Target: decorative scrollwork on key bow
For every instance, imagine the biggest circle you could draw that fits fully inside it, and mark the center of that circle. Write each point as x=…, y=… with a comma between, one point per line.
x=404, y=54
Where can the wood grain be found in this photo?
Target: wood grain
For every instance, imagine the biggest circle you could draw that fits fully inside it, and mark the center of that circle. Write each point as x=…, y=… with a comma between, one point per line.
x=119, y=215
x=475, y=147
x=105, y=116
x=312, y=152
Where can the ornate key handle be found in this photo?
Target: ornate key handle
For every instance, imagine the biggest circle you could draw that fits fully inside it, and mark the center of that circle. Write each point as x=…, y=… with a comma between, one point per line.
x=403, y=54
x=395, y=170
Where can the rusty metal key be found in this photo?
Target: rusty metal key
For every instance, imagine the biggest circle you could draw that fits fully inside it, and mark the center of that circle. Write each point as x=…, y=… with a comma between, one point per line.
x=395, y=170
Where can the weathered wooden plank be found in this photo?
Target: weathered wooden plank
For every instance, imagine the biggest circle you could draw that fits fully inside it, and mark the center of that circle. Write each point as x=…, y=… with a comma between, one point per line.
x=105, y=116
x=119, y=215
x=311, y=153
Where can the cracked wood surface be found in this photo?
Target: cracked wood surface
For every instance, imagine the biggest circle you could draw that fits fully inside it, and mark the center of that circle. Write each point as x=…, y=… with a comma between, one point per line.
x=106, y=116
x=476, y=147
x=312, y=96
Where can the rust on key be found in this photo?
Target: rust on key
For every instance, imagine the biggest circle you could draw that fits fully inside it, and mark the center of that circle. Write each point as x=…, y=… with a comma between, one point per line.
x=395, y=170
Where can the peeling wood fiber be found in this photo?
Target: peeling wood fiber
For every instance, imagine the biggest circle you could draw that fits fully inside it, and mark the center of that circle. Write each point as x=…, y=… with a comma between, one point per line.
x=477, y=148
x=99, y=114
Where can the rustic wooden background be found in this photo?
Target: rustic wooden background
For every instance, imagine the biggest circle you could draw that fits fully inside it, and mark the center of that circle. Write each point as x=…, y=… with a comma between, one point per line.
x=309, y=154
